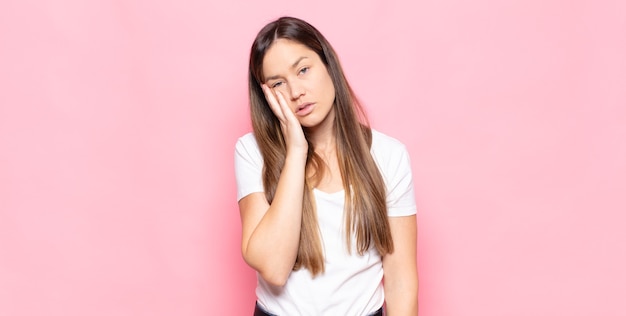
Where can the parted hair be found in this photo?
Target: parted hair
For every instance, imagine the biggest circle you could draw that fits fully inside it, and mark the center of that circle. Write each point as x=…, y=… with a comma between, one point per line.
x=365, y=208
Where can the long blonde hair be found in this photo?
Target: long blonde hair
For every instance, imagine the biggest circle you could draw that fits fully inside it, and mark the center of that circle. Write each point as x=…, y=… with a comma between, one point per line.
x=366, y=208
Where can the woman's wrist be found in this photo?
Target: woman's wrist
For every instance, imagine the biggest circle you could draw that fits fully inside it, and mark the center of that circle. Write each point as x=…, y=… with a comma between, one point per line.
x=298, y=154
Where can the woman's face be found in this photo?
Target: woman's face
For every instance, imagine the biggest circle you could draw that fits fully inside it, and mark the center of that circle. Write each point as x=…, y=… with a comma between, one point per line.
x=300, y=75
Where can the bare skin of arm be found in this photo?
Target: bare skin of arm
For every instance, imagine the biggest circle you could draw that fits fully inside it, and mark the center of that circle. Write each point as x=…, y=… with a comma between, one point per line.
x=271, y=233
x=400, y=268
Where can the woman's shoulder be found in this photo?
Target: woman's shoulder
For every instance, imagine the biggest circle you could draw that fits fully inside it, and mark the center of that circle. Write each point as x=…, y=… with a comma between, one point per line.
x=391, y=156
x=383, y=143
x=247, y=146
x=247, y=140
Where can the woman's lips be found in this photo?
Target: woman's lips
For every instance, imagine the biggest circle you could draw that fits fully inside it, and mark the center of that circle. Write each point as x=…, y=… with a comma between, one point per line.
x=305, y=109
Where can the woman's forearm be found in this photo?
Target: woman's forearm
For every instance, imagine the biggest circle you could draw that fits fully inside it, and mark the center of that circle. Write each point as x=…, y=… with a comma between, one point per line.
x=273, y=245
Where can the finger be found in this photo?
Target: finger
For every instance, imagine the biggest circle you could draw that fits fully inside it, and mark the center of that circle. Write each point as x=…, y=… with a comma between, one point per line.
x=279, y=104
x=272, y=101
x=284, y=106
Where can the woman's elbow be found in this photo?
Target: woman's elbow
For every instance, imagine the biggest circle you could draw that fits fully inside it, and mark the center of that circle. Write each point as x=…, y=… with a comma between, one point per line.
x=273, y=275
x=275, y=279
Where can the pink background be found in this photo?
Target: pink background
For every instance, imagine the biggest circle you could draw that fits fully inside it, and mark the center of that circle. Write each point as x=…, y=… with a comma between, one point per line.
x=118, y=121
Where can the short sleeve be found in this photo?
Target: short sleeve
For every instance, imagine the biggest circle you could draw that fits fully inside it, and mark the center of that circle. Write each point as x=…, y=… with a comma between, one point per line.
x=394, y=163
x=248, y=166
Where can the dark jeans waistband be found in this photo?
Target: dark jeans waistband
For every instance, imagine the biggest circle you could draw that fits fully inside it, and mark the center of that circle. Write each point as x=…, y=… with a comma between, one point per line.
x=258, y=311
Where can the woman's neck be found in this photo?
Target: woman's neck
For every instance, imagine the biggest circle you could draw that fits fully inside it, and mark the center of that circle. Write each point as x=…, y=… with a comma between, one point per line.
x=322, y=136
x=323, y=143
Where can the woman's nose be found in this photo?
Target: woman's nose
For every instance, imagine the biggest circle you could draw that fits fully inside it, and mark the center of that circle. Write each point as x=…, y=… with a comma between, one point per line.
x=296, y=90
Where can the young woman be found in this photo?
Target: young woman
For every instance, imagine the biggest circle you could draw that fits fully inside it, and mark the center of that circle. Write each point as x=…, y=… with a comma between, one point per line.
x=326, y=203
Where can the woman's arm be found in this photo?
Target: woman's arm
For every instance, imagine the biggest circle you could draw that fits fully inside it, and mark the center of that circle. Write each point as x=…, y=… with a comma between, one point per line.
x=271, y=233
x=400, y=268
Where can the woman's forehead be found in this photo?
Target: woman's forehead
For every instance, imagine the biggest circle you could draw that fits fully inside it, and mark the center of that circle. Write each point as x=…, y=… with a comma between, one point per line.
x=284, y=55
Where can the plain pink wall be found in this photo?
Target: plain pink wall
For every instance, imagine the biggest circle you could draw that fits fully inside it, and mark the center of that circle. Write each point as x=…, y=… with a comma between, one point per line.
x=118, y=121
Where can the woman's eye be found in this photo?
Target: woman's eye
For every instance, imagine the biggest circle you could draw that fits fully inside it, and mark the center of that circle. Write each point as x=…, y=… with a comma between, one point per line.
x=304, y=70
x=277, y=84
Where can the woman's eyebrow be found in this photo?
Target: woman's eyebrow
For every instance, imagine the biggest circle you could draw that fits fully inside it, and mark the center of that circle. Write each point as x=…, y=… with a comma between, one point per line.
x=294, y=65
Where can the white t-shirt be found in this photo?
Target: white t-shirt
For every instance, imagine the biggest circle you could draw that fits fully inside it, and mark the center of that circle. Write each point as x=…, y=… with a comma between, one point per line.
x=351, y=283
